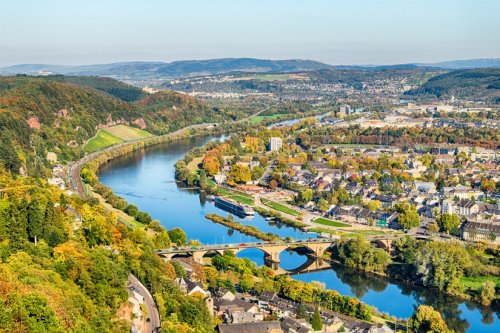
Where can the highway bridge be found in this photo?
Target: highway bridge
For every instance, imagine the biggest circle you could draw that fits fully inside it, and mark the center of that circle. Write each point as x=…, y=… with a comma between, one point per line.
x=312, y=247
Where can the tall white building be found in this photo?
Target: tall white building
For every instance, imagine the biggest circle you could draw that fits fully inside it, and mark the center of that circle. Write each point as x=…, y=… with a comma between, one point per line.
x=275, y=144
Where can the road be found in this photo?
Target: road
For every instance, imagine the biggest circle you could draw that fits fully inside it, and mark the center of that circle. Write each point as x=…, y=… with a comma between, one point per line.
x=148, y=302
x=250, y=116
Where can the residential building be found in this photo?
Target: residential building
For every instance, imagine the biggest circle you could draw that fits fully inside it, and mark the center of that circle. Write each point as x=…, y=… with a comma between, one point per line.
x=255, y=327
x=275, y=144
x=484, y=231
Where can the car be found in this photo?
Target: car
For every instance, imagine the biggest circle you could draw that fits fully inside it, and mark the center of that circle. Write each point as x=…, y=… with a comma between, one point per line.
x=148, y=320
x=242, y=244
x=132, y=288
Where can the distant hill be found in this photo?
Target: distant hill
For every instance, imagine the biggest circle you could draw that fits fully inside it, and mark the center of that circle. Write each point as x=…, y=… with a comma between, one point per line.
x=467, y=64
x=481, y=84
x=172, y=70
x=137, y=70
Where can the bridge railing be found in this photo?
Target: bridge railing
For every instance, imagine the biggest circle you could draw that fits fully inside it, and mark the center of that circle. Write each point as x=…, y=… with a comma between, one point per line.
x=240, y=245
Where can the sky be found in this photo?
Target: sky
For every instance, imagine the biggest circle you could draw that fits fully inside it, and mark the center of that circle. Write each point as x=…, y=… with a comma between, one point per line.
x=337, y=32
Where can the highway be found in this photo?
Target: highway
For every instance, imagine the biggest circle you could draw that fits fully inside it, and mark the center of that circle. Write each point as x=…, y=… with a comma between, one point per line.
x=137, y=286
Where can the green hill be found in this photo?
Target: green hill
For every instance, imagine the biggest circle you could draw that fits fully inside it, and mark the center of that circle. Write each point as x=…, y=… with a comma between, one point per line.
x=114, y=135
x=59, y=114
x=476, y=84
x=113, y=87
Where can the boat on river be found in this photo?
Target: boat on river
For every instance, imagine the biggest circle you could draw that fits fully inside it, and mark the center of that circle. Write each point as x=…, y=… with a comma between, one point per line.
x=234, y=207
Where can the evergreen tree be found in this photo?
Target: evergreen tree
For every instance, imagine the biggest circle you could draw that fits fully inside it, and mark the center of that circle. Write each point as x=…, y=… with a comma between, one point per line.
x=35, y=219
x=19, y=223
x=316, y=322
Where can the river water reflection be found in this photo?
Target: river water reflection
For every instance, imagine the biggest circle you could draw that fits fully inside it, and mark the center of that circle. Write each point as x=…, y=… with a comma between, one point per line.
x=146, y=179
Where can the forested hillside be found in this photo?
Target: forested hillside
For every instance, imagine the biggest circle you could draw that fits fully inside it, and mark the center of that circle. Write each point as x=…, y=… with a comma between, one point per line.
x=62, y=271
x=59, y=114
x=115, y=88
x=473, y=84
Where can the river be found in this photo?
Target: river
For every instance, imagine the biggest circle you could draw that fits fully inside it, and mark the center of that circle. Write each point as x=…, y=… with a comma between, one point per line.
x=146, y=178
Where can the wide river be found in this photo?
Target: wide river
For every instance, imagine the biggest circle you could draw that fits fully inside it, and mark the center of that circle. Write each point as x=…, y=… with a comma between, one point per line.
x=146, y=178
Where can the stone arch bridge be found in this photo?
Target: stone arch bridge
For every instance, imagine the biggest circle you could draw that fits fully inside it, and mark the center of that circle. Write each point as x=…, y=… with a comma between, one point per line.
x=272, y=250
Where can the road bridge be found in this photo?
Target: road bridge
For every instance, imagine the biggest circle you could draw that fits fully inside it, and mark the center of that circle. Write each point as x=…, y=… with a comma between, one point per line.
x=272, y=250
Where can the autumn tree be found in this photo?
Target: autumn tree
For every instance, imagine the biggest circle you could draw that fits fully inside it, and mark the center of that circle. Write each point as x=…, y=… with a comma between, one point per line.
x=408, y=217
x=448, y=222
x=177, y=236
x=373, y=205
x=441, y=265
x=240, y=174
x=211, y=164
x=427, y=320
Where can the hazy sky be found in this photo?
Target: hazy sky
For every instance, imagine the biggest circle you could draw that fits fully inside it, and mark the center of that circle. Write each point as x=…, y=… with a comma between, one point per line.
x=332, y=31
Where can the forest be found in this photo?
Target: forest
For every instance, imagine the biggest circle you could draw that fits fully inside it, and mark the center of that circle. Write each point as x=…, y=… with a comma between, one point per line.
x=472, y=84
x=60, y=274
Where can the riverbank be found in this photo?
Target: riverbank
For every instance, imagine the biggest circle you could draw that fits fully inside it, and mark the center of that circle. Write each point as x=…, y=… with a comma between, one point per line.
x=244, y=229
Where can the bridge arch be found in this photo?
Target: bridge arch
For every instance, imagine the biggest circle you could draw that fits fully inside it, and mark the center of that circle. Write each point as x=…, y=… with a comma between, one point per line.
x=255, y=254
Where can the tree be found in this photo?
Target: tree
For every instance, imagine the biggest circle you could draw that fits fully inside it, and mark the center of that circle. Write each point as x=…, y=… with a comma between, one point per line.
x=257, y=172
x=35, y=219
x=342, y=195
x=305, y=196
x=448, y=222
x=132, y=210
x=433, y=228
x=161, y=240
x=373, y=205
x=143, y=217
x=323, y=205
x=301, y=311
x=246, y=282
x=240, y=174
x=203, y=179
x=211, y=164
x=441, y=265
x=487, y=293
x=360, y=254
x=177, y=236
x=38, y=315
x=273, y=184
x=427, y=320
x=408, y=217
x=316, y=322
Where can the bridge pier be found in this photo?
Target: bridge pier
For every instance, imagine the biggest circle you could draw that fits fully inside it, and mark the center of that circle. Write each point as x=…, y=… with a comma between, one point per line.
x=198, y=256
x=271, y=250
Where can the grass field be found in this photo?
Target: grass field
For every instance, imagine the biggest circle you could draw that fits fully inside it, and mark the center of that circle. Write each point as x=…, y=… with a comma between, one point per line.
x=273, y=77
x=127, y=133
x=112, y=136
x=280, y=207
x=259, y=119
x=193, y=165
x=475, y=283
x=102, y=140
x=320, y=230
x=238, y=196
x=331, y=223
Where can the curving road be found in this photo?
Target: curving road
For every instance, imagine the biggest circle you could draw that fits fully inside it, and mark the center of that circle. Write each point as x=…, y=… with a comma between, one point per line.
x=136, y=285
